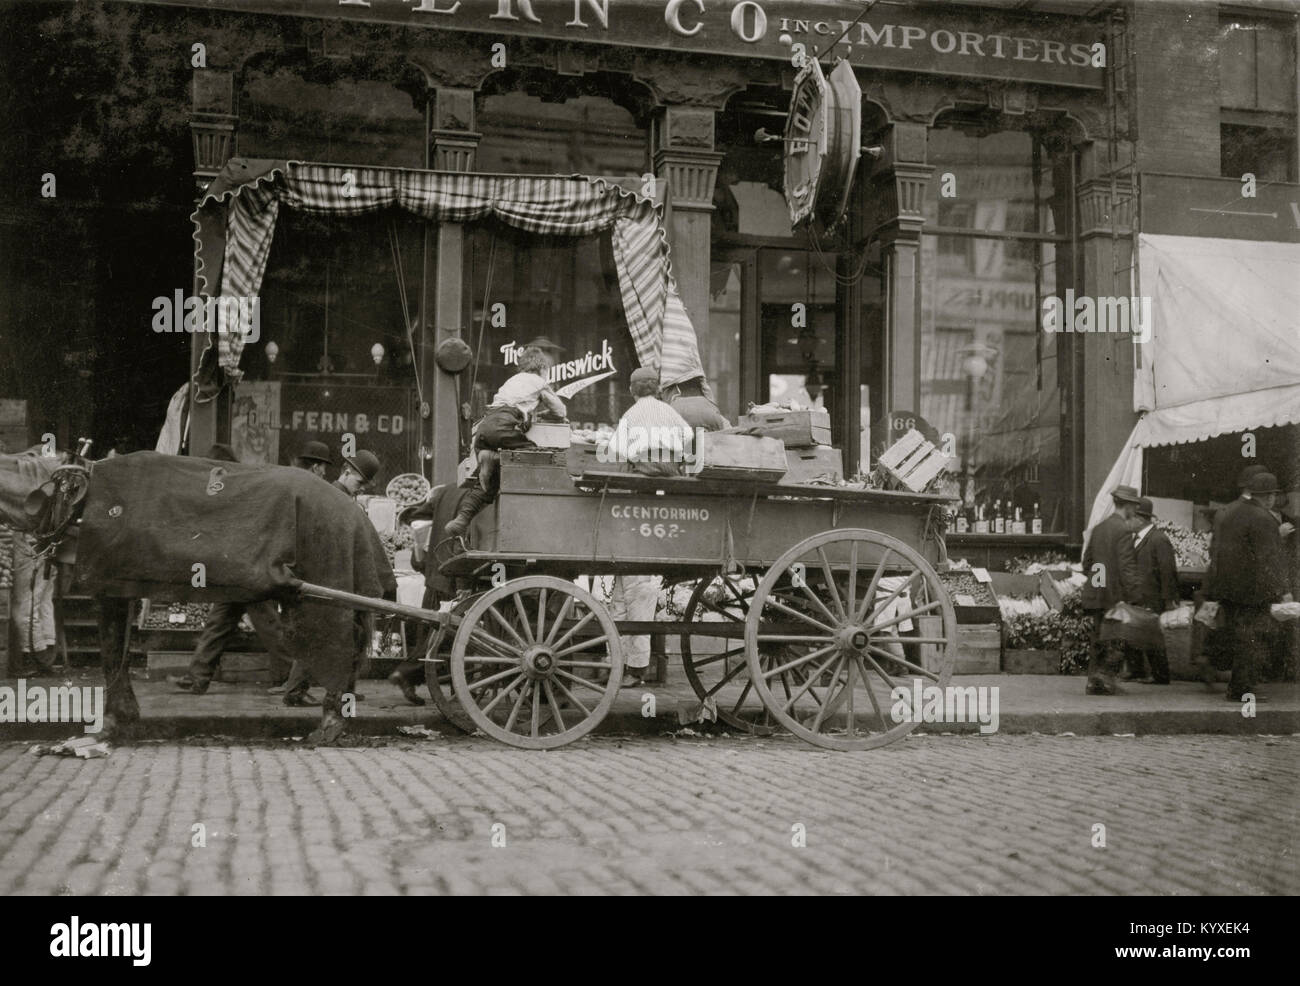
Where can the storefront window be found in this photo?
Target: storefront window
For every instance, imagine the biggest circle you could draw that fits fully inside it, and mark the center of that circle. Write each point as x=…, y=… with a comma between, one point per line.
x=988, y=372
x=334, y=356
x=562, y=290
x=796, y=293
x=720, y=346
x=584, y=135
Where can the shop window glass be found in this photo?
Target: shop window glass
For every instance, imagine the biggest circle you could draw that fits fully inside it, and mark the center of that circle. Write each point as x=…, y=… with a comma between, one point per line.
x=993, y=181
x=332, y=318
x=982, y=352
x=797, y=316
x=525, y=286
x=586, y=135
x=720, y=346
x=346, y=121
x=1266, y=153
x=1257, y=64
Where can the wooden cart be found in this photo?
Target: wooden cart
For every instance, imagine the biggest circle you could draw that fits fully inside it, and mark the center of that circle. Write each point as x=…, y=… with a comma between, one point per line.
x=809, y=604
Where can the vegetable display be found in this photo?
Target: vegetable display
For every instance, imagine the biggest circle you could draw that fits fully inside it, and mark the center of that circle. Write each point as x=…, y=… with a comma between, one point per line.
x=407, y=489
x=1191, y=548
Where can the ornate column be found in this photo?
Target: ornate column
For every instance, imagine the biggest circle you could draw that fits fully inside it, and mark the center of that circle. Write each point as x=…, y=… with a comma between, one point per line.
x=684, y=158
x=898, y=183
x=452, y=145
x=212, y=128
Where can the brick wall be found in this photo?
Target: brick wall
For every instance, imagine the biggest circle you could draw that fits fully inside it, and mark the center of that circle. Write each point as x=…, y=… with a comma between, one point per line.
x=1176, y=86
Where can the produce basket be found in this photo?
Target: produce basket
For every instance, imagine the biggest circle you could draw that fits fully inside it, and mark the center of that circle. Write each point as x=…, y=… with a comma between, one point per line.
x=407, y=489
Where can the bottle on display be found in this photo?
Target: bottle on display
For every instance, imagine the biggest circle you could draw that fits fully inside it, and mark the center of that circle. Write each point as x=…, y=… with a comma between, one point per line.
x=963, y=524
x=999, y=522
x=1036, y=522
x=981, y=522
x=1018, y=525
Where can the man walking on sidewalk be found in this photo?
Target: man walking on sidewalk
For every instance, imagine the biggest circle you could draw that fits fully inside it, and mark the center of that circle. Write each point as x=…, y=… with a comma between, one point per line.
x=1157, y=587
x=1248, y=573
x=1111, y=574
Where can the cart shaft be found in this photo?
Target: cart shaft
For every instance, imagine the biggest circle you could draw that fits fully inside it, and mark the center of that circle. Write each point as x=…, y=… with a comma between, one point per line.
x=369, y=603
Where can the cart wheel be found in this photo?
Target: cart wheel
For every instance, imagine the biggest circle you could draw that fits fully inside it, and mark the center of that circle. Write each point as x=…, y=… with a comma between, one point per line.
x=873, y=616
x=531, y=674
x=437, y=674
x=725, y=599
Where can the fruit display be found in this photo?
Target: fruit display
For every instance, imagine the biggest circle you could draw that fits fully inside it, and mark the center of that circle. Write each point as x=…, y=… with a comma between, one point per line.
x=1191, y=548
x=407, y=489
x=175, y=616
x=963, y=583
x=402, y=539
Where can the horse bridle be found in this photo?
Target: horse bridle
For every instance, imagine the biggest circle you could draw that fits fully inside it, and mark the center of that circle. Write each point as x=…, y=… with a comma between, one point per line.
x=58, y=501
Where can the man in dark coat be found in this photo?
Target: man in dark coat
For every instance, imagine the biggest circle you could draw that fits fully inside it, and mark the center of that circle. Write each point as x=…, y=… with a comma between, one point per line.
x=1111, y=573
x=1248, y=573
x=1157, y=586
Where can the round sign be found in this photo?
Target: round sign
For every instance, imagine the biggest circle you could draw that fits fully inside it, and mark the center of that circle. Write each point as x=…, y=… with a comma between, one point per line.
x=823, y=136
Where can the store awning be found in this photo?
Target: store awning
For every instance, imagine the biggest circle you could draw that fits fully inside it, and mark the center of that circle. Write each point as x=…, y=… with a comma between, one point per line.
x=1224, y=353
x=235, y=223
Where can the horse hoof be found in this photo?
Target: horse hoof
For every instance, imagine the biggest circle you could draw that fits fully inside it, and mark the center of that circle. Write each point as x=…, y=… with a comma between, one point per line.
x=328, y=733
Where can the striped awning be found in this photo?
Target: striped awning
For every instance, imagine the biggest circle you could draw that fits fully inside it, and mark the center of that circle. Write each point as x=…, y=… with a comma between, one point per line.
x=252, y=193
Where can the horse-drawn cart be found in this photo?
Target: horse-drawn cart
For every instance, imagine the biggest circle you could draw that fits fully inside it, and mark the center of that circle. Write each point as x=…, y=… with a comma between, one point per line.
x=809, y=604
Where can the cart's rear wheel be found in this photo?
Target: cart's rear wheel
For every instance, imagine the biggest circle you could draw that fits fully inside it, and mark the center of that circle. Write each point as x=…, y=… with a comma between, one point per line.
x=437, y=672
x=720, y=674
x=874, y=616
x=532, y=673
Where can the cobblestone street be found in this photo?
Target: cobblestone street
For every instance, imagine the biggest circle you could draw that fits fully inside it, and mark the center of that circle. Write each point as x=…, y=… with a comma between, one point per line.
x=1182, y=815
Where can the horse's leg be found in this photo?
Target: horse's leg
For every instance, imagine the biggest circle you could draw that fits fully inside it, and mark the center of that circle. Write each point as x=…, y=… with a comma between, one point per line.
x=121, y=707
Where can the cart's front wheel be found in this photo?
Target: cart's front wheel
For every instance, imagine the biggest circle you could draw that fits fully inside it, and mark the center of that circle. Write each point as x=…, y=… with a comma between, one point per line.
x=536, y=662
x=870, y=616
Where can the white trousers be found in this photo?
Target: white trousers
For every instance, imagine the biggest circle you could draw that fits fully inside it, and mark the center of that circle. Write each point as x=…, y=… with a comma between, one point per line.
x=634, y=598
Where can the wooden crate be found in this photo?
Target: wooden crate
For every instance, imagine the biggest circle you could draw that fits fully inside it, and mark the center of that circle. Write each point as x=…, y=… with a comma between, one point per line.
x=741, y=458
x=580, y=458
x=913, y=461
x=979, y=649
x=795, y=429
x=803, y=464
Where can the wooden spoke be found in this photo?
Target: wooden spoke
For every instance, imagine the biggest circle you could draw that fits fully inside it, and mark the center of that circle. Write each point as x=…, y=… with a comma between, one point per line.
x=524, y=621
x=573, y=629
x=541, y=614
x=918, y=611
x=893, y=595
x=849, y=666
x=881, y=671
x=803, y=616
x=537, y=701
x=578, y=679
x=785, y=638
x=725, y=678
x=487, y=709
x=514, y=712
x=572, y=697
x=550, y=697
x=743, y=693
x=523, y=645
x=871, y=589
x=479, y=683
x=493, y=644
x=559, y=620
x=807, y=685
x=871, y=692
x=831, y=702
x=851, y=596
x=803, y=585
x=908, y=640
x=706, y=661
x=585, y=645
x=903, y=661
x=797, y=662
x=491, y=659
x=830, y=583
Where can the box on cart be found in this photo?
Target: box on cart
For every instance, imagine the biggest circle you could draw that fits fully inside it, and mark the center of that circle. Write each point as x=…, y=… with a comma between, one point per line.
x=815, y=462
x=745, y=458
x=796, y=429
x=550, y=434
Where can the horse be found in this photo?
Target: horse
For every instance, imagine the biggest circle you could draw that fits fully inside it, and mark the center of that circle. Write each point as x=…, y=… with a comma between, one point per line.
x=181, y=528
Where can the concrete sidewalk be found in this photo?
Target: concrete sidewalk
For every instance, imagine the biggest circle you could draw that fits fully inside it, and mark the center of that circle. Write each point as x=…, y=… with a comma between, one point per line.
x=1048, y=704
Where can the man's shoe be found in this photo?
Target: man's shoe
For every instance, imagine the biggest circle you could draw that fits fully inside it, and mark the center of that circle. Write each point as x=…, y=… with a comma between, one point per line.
x=408, y=690
x=300, y=699
x=187, y=683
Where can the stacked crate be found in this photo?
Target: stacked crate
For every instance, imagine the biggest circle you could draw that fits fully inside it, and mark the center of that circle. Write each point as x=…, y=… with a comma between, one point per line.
x=806, y=436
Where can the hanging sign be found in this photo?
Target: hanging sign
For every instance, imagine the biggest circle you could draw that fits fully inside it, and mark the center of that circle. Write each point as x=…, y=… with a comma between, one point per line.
x=823, y=137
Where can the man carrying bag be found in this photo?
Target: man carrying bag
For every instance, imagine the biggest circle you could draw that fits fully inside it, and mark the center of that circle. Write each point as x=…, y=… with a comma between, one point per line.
x=1111, y=574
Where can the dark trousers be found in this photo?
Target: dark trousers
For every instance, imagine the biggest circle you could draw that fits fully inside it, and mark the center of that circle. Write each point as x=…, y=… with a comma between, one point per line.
x=1250, y=630
x=223, y=623
x=1105, y=658
x=502, y=428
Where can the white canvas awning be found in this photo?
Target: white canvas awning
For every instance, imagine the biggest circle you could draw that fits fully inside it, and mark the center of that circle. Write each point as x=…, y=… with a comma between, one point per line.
x=1224, y=354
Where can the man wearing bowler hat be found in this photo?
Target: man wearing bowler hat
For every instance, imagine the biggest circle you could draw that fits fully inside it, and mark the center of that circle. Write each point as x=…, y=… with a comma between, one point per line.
x=315, y=458
x=1248, y=573
x=1111, y=573
x=1157, y=588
